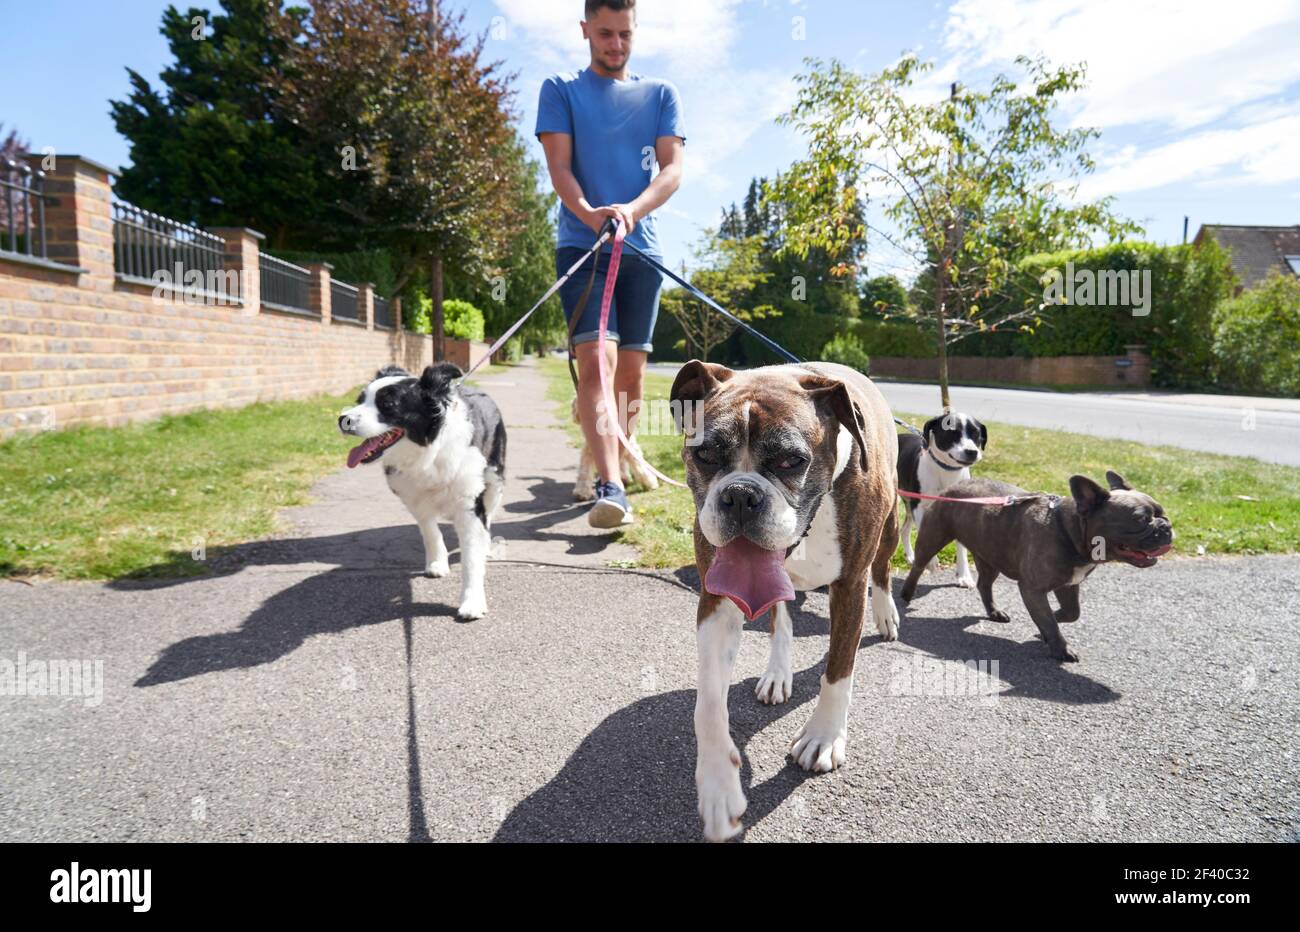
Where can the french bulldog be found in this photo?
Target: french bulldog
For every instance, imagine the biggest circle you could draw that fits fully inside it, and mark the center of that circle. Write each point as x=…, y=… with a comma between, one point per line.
x=1046, y=543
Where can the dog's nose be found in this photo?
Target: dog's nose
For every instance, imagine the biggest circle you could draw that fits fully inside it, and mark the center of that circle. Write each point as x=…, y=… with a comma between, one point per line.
x=742, y=500
x=345, y=423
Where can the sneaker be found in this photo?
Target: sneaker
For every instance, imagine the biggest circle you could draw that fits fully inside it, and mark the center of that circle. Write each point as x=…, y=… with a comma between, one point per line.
x=610, y=509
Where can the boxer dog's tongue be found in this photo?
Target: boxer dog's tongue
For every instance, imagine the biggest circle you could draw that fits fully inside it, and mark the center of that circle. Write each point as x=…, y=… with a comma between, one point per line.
x=754, y=578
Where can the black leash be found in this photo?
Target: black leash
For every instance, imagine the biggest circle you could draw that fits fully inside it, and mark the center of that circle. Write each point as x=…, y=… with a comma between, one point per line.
x=762, y=338
x=766, y=341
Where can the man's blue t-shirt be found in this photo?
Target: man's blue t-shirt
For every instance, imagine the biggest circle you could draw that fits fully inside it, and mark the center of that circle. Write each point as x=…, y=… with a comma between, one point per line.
x=614, y=125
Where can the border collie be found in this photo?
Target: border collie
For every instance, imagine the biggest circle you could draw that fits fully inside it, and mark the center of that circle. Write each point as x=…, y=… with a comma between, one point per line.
x=444, y=451
x=953, y=443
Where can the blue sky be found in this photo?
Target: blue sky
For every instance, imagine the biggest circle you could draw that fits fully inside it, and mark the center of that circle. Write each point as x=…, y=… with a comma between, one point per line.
x=1198, y=102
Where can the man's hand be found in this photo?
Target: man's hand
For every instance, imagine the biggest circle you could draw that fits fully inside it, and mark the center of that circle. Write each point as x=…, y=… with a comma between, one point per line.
x=621, y=212
x=628, y=215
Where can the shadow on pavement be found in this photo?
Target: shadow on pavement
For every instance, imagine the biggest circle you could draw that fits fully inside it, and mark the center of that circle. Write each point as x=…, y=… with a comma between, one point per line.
x=1025, y=665
x=632, y=778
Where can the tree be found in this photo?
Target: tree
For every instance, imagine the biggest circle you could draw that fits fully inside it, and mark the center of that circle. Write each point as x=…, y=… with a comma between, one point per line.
x=976, y=181
x=815, y=282
x=211, y=149
x=419, y=127
x=885, y=295
x=526, y=268
x=730, y=272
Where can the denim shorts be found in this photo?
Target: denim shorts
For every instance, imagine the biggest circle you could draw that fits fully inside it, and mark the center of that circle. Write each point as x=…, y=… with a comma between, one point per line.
x=635, y=306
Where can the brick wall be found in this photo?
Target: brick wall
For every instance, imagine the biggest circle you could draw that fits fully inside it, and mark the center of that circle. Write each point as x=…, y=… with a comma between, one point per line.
x=80, y=346
x=1132, y=370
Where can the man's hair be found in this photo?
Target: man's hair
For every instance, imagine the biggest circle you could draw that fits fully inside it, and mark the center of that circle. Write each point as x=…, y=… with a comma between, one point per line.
x=618, y=6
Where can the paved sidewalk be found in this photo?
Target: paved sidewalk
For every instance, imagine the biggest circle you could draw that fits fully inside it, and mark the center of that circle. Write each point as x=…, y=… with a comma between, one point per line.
x=321, y=690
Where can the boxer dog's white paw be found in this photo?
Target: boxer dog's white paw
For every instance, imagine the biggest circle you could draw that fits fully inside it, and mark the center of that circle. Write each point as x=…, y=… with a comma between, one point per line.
x=884, y=612
x=820, y=745
x=966, y=581
x=721, y=800
x=776, y=684
x=437, y=569
x=933, y=565
x=472, y=607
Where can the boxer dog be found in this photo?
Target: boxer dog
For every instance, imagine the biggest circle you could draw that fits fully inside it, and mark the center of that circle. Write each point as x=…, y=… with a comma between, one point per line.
x=794, y=485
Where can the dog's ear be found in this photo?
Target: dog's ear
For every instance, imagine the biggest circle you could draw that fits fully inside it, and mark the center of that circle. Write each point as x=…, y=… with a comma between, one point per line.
x=436, y=380
x=1088, y=495
x=833, y=395
x=983, y=433
x=695, y=381
x=931, y=425
x=389, y=371
x=1117, y=481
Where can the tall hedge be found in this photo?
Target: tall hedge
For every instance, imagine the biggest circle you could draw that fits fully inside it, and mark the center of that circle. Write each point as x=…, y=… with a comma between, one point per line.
x=1186, y=284
x=1257, y=338
x=805, y=332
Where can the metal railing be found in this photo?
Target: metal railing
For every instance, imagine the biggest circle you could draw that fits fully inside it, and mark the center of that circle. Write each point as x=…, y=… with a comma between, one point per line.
x=284, y=286
x=345, y=302
x=151, y=249
x=22, y=210
x=383, y=314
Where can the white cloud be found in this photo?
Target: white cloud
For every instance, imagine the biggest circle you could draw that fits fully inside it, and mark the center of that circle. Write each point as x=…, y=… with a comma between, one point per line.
x=1265, y=153
x=690, y=43
x=691, y=36
x=1181, y=63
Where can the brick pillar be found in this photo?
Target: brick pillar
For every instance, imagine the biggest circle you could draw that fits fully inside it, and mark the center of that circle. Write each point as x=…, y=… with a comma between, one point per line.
x=320, y=288
x=79, y=215
x=1139, y=373
x=242, y=257
x=366, y=304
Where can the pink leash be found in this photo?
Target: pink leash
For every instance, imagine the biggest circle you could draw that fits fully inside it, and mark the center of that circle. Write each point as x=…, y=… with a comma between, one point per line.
x=999, y=500
x=606, y=383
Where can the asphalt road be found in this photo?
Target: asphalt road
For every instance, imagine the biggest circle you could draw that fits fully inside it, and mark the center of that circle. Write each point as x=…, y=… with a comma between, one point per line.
x=1263, y=428
x=318, y=690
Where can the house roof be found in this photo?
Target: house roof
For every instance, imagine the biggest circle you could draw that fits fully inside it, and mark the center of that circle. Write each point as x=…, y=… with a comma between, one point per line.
x=1256, y=250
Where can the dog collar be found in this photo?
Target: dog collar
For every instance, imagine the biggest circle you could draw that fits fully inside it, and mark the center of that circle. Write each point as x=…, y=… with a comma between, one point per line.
x=811, y=518
x=940, y=463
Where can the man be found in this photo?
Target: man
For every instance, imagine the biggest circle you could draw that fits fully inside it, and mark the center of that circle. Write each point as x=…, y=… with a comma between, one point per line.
x=602, y=128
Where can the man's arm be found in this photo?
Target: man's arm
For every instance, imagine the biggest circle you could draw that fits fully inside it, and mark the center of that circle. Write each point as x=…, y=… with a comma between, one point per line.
x=669, y=151
x=559, y=162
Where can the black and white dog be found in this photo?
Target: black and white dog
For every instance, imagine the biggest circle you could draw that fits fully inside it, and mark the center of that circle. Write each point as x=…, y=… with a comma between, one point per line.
x=953, y=443
x=444, y=449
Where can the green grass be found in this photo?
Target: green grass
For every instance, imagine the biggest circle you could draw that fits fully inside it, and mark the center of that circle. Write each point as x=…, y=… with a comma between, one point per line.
x=135, y=501
x=1225, y=504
